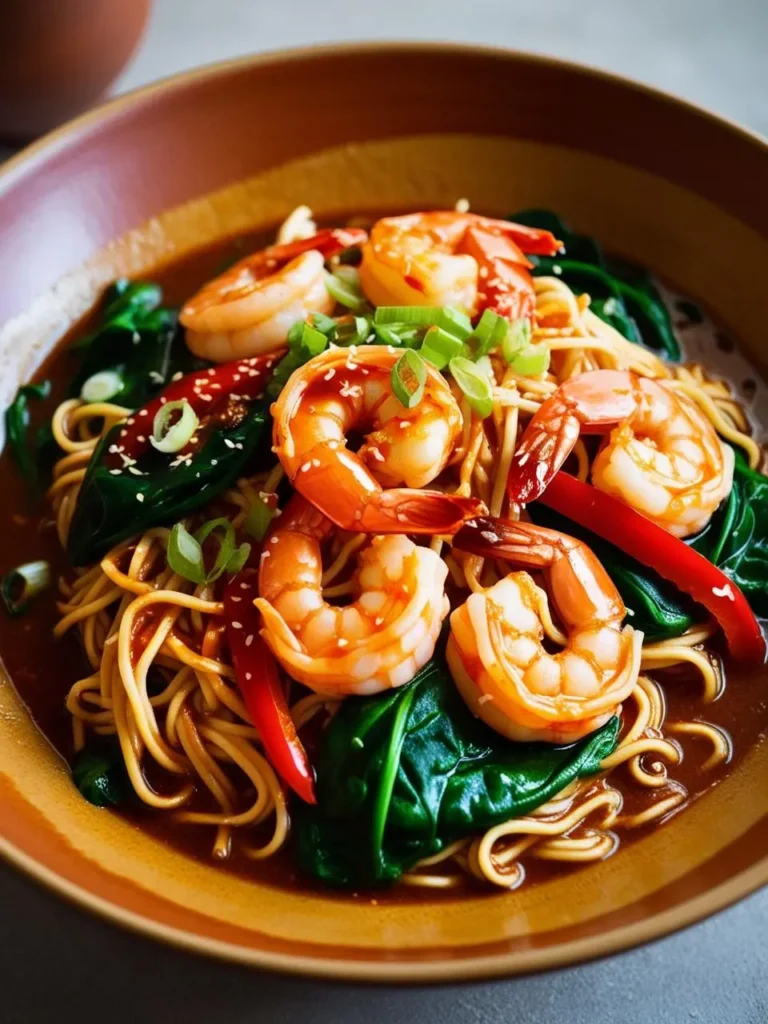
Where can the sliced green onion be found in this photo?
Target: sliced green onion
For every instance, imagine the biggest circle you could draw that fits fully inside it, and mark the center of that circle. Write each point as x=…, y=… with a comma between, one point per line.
x=229, y=558
x=386, y=335
x=474, y=383
x=306, y=340
x=531, y=361
x=102, y=386
x=185, y=556
x=409, y=375
x=167, y=438
x=439, y=347
x=352, y=330
x=344, y=293
x=19, y=586
x=185, y=551
x=350, y=276
x=325, y=324
x=518, y=338
x=450, y=319
x=258, y=518
x=485, y=366
x=490, y=333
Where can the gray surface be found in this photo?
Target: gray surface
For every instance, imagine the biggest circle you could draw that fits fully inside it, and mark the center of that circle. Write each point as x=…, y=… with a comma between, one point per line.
x=58, y=964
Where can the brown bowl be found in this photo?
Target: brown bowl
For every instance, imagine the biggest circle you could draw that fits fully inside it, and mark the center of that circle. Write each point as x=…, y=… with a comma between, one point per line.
x=174, y=166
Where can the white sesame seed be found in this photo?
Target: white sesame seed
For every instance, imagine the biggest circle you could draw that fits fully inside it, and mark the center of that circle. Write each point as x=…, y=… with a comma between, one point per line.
x=162, y=402
x=228, y=443
x=378, y=621
x=143, y=412
x=249, y=640
x=206, y=398
x=244, y=586
x=237, y=625
x=274, y=540
x=116, y=472
x=235, y=598
x=342, y=642
x=139, y=497
x=248, y=675
x=129, y=422
x=141, y=438
x=306, y=466
x=214, y=462
x=331, y=373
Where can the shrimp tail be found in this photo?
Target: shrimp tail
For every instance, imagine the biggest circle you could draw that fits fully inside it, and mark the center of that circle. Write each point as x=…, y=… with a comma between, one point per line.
x=547, y=443
x=400, y=510
x=525, y=544
x=329, y=242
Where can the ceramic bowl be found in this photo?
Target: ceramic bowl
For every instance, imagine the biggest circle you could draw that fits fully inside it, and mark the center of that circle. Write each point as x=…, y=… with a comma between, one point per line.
x=172, y=167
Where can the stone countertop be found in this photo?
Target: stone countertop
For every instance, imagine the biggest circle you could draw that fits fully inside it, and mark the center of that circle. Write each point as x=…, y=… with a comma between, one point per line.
x=60, y=964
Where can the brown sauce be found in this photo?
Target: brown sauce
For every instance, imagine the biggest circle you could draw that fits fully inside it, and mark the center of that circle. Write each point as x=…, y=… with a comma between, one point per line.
x=43, y=669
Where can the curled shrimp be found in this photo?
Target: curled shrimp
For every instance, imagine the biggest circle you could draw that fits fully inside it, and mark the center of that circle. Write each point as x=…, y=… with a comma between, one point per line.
x=375, y=643
x=495, y=652
x=250, y=308
x=345, y=390
x=447, y=258
x=662, y=456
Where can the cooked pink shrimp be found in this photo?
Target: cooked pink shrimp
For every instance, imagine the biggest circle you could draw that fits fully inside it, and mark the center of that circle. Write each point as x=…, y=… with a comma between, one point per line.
x=662, y=457
x=250, y=308
x=447, y=258
x=377, y=642
x=344, y=390
x=496, y=653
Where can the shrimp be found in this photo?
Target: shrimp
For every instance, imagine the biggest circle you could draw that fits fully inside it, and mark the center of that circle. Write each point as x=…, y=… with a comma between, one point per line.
x=380, y=640
x=447, y=258
x=345, y=390
x=662, y=456
x=495, y=651
x=250, y=308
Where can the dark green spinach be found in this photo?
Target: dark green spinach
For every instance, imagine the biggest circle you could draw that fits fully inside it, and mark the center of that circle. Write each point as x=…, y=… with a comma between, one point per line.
x=22, y=451
x=623, y=294
x=401, y=775
x=139, y=340
x=99, y=777
x=113, y=506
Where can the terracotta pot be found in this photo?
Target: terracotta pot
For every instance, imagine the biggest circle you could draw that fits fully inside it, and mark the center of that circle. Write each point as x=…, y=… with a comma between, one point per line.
x=58, y=56
x=175, y=166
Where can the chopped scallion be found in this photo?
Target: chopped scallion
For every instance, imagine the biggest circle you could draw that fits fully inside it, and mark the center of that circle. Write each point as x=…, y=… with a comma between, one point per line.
x=167, y=437
x=490, y=333
x=21, y=585
x=325, y=324
x=474, y=383
x=531, y=361
x=352, y=330
x=102, y=386
x=439, y=347
x=258, y=518
x=307, y=341
x=387, y=335
x=185, y=551
x=450, y=319
x=517, y=339
x=345, y=293
x=409, y=375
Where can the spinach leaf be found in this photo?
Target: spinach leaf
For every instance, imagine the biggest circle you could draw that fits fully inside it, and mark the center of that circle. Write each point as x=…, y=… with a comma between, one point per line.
x=736, y=538
x=100, y=778
x=113, y=506
x=23, y=453
x=403, y=774
x=623, y=294
x=139, y=340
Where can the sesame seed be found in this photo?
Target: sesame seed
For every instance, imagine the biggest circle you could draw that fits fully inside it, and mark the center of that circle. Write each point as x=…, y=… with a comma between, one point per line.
x=378, y=621
x=316, y=463
x=177, y=376
x=236, y=625
x=274, y=540
x=331, y=373
x=404, y=424
x=484, y=698
x=136, y=472
x=162, y=402
x=129, y=421
x=249, y=640
x=235, y=598
x=206, y=398
x=143, y=412
x=244, y=586
x=214, y=462
x=139, y=497
x=116, y=472
x=248, y=675
x=342, y=642
x=305, y=467
x=228, y=443
x=265, y=554
x=141, y=438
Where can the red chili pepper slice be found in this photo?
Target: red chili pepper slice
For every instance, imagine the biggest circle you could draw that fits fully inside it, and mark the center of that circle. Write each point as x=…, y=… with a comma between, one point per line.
x=259, y=682
x=205, y=390
x=637, y=536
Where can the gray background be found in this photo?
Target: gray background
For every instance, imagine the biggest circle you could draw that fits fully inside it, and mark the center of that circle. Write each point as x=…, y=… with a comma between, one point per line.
x=57, y=963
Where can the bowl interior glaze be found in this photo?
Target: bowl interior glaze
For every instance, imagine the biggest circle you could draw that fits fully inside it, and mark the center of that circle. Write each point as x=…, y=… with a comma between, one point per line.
x=169, y=169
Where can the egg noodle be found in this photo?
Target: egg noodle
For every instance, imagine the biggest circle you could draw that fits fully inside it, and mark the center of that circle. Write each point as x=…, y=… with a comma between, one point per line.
x=160, y=679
